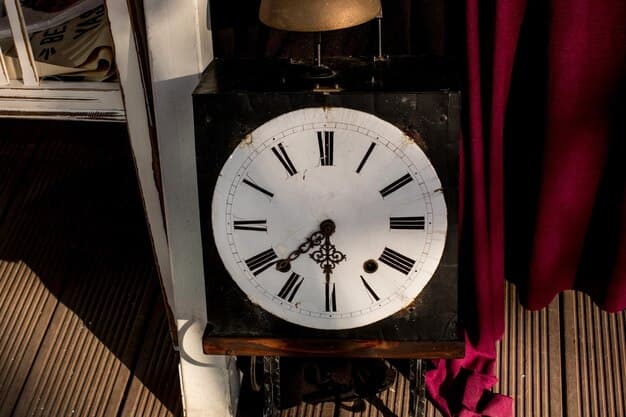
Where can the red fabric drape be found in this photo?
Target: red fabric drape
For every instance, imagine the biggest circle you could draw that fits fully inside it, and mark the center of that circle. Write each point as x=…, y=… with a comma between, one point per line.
x=586, y=62
x=580, y=195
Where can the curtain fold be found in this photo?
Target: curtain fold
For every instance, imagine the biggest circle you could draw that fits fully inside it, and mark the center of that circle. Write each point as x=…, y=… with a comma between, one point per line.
x=586, y=64
x=462, y=387
x=545, y=94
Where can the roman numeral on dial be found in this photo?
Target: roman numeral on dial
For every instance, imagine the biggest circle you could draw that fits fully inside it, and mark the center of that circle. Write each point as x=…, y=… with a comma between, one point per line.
x=331, y=299
x=262, y=261
x=291, y=287
x=397, y=261
x=325, y=140
x=256, y=225
x=369, y=289
x=258, y=188
x=282, y=156
x=365, y=158
x=396, y=185
x=416, y=223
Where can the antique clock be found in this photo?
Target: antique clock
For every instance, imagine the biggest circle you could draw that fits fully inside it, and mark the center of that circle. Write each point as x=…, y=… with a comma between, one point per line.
x=328, y=201
x=329, y=208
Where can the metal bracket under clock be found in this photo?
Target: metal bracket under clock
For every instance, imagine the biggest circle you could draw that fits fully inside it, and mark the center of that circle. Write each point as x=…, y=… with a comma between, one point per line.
x=417, y=388
x=271, y=387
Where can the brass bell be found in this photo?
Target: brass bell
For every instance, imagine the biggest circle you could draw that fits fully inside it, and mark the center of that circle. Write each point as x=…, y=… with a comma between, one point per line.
x=317, y=15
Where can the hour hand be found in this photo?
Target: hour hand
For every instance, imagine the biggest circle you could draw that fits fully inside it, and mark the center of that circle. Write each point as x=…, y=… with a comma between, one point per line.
x=327, y=228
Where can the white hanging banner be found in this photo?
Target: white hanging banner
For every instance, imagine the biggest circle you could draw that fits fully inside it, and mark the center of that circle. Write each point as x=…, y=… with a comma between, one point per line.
x=79, y=48
x=38, y=20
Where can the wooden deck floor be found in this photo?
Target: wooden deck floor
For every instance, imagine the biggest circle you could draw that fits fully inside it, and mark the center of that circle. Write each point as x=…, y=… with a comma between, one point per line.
x=82, y=326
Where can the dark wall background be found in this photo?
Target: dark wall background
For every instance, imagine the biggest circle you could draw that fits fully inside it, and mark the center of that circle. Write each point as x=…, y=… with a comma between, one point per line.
x=414, y=27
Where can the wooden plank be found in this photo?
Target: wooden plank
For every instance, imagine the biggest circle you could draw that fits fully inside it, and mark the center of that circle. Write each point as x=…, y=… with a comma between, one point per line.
x=332, y=348
x=21, y=332
x=32, y=272
x=529, y=358
x=589, y=364
x=594, y=358
x=552, y=382
x=155, y=389
x=75, y=357
x=618, y=356
x=41, y=232
x=431, y=411
x=91, y=101
x=83, y=364
x=573, y=401
x=603, y=403
x=22, y=42
x=14, y=161
x=620, y=365
x=525, y=378
x=83, y=361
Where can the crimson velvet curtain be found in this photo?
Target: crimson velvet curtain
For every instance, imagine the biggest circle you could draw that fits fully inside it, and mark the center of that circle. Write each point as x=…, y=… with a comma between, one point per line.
x=544, y=172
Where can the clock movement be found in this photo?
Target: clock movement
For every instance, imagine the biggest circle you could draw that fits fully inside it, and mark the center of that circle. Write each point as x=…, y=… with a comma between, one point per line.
x=329, y=209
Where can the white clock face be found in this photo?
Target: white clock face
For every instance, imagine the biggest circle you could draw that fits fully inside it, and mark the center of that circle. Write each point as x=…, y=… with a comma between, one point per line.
x=354, y=169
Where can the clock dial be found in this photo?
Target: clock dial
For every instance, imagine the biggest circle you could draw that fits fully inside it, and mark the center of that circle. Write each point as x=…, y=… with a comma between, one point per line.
x=376, y=186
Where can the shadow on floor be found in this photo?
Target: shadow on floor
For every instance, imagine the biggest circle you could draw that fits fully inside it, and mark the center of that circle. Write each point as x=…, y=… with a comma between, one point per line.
x=82, y=323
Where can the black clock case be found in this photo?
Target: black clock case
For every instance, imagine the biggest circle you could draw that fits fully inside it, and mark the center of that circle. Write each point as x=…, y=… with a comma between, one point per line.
x=233, y=98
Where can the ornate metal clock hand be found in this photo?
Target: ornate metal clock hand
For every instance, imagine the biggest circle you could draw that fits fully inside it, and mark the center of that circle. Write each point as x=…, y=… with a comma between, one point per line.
x=316, y=238
x=327, y=256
